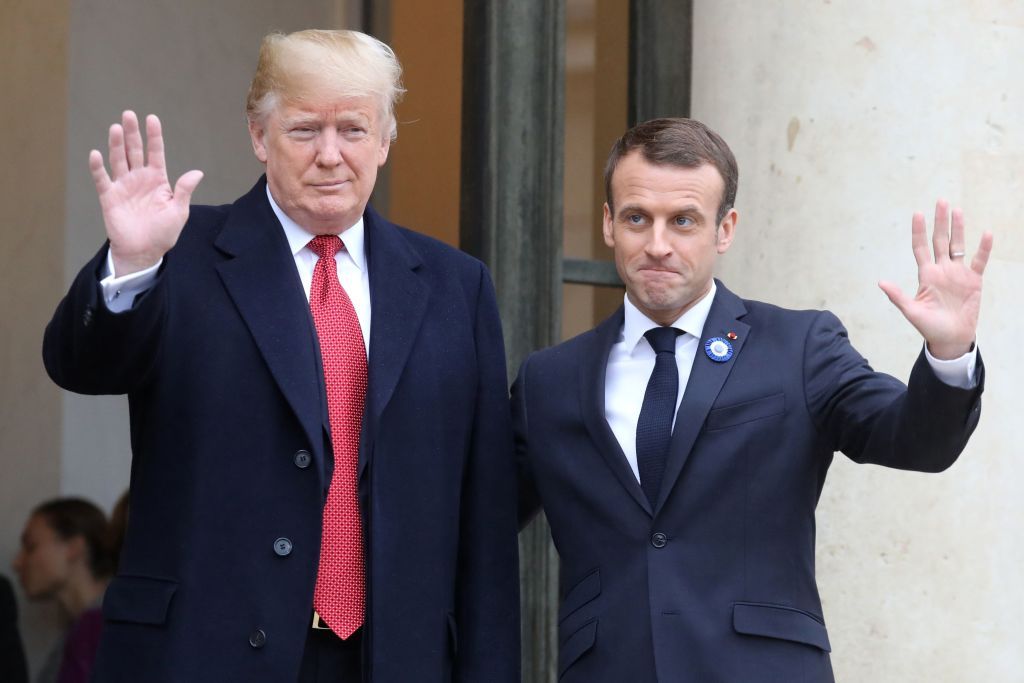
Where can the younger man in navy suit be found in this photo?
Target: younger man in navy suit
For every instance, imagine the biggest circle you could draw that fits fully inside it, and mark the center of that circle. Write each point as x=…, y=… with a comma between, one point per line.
x=679, y=448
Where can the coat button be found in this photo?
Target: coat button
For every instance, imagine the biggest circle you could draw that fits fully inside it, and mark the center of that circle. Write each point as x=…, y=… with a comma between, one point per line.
x=659, y=540
x=303, y=459
x=87, y=316
x=258, y=638
x=283, y=547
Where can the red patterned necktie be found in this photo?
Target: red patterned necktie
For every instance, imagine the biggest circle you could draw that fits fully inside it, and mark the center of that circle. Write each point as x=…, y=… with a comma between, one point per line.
x=339, y=597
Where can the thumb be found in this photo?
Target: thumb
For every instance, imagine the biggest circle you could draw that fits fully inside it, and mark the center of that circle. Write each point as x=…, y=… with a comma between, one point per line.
x=895, y=294
x=185, y=186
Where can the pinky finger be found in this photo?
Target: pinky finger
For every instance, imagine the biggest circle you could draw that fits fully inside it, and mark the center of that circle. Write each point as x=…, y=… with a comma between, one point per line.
x=98, y=172
x=980, y=259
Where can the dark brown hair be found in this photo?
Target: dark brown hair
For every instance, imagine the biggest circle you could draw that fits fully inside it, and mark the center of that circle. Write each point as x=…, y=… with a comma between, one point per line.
x=71, y=517
x=677, y=142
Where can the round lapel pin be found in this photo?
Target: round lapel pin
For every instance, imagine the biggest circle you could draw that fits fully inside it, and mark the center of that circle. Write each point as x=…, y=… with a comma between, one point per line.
x=718, y=349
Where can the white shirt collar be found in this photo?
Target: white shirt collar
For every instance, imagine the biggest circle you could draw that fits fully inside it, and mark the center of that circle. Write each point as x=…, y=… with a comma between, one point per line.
x=691, y=322
x=299, y=237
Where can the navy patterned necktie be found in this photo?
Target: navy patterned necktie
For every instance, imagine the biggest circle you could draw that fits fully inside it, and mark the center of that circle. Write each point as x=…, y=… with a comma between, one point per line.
x=654, y=428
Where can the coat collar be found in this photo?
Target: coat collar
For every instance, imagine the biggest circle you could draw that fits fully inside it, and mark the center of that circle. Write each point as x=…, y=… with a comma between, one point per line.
x=398, y=299
x=706, y=380
x=592, y=370
x=261, y=277
x=705, y=383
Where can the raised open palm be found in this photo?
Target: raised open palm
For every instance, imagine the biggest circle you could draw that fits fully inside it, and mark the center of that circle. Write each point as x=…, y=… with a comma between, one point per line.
x=143, y=215
x=945, y=308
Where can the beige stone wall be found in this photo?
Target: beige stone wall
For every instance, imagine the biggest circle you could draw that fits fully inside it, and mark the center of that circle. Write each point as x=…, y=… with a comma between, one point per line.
x=846, y=117
x=33, y=80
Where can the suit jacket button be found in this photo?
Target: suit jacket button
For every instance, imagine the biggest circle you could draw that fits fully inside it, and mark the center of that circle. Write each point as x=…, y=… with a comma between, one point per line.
x=303, y=459
x=283, y=547
x=258, y=638
x=659, y=540
x=87, y=316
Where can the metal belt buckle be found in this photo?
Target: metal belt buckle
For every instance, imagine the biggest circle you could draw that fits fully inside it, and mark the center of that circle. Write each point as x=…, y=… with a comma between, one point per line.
x=318, y=623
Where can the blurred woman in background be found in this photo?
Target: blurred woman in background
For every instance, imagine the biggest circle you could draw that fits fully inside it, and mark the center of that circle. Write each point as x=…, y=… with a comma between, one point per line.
x=65, y=556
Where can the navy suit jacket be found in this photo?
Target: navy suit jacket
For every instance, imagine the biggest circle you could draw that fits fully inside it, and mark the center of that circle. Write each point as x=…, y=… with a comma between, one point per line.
x=715, y=582
x=231, y=454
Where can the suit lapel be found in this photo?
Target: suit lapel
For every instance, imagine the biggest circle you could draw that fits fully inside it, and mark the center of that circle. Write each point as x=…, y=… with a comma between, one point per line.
x=261, y=278
x=593, y=366
x=398, y=300
x=704, y=385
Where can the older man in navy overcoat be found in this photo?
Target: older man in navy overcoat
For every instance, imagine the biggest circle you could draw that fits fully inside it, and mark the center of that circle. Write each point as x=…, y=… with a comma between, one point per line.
x=322, y=483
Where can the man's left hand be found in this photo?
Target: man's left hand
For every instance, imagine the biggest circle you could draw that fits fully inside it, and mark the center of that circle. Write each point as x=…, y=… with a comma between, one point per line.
x=945, y=309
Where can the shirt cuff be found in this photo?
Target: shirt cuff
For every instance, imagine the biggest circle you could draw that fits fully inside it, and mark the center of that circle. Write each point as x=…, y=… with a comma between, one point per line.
x=959, y=372
x=119, y=292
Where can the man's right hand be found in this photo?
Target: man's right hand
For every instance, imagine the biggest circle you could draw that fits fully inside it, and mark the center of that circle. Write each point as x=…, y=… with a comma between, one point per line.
x=142, y=214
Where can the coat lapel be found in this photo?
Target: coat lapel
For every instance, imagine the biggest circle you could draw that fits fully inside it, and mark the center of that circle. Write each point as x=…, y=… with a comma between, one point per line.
x=398, y=300
x=704, y=385
x=593, y=366
x=261, y=278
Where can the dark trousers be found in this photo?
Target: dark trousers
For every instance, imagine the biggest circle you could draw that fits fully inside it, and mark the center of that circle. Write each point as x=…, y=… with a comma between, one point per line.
x=329, y=659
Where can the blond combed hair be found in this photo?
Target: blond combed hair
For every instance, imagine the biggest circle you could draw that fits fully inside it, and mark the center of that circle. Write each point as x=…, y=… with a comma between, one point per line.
x=316, y=64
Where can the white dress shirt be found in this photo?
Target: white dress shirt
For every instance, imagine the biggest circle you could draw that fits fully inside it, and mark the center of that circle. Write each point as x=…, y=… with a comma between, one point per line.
x=119, y=292
x=631, y=362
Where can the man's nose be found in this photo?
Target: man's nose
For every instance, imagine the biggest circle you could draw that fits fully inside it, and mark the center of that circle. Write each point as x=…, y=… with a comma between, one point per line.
x=328, y=152
x=657, y=242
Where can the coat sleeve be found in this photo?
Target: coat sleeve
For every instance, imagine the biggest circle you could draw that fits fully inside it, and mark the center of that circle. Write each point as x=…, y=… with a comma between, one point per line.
x=487, y=603
x=873, y=417
x=529, y=499
x=90, y=350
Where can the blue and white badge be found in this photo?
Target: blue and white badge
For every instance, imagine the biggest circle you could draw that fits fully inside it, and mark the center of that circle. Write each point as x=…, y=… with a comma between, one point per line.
x=718, y=349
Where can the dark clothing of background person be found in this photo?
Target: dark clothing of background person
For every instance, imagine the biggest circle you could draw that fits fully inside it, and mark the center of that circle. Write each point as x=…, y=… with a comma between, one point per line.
x=13, y=668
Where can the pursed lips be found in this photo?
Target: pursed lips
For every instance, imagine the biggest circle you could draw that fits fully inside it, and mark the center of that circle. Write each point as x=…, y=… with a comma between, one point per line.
x=329, y=184
x=658, y=269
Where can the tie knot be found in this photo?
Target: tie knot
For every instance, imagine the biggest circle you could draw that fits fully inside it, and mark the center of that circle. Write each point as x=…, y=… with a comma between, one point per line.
x=663, y=339
x=326, y=245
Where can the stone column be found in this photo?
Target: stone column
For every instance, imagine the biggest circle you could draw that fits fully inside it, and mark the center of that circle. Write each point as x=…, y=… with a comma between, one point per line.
x=512, y=218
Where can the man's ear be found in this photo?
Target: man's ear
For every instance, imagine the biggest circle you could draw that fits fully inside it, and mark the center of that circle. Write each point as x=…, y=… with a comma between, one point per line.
x=726, y=230
x=385, y=146
x=256, y=133
x=607, y=226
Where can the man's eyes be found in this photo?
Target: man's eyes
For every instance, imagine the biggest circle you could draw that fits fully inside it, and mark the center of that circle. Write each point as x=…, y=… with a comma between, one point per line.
x=304, y=132
x=640, y=219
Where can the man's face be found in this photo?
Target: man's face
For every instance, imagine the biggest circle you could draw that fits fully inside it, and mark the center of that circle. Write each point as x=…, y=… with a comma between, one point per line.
x=322, y=159
x=664, y=233
x=43, y=562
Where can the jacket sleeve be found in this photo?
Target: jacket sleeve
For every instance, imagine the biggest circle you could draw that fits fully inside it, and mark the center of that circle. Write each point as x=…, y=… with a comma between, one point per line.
x=90, y=350
x=529, y=499
x=873, y=417
x=487, y=602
